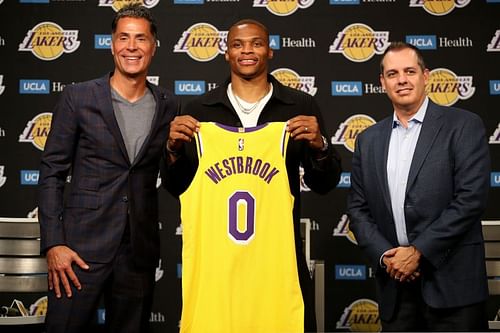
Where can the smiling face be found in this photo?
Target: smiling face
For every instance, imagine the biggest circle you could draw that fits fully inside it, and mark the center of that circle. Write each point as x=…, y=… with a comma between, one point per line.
x=404, y=80
x=133, y=47
x=248, y=51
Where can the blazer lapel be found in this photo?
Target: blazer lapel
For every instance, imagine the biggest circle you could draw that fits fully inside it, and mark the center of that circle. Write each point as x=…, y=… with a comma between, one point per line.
x=382, y=152
x=105, y=105
x=430, y=128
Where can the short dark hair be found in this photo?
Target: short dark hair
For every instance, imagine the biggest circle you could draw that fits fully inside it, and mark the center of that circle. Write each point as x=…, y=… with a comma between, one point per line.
x=398, y=46
x=249, y=21
x=136, y=10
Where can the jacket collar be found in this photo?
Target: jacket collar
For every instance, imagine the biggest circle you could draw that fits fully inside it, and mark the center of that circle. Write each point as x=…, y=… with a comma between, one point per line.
x=105, y=105
x=219, y=95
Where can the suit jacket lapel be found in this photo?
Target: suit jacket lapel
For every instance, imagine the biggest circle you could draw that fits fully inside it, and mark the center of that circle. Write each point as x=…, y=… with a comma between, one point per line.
x=105, y=106
x=381, y=162
x=430, y=128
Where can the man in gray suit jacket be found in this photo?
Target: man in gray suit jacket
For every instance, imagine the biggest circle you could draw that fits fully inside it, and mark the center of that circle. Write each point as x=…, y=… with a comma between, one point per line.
x=419, y=185
x=108, y=134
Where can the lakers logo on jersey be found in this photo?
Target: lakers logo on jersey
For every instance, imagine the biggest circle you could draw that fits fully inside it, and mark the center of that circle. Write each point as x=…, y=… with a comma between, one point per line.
x=236, y=277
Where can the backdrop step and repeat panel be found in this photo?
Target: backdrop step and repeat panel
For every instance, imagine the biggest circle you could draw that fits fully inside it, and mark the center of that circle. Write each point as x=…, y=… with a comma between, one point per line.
x=328, y=48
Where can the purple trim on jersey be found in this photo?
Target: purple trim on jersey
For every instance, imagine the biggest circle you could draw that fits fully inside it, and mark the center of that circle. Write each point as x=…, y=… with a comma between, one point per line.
x=200, y=148
x=241, y=129
x=283, y=141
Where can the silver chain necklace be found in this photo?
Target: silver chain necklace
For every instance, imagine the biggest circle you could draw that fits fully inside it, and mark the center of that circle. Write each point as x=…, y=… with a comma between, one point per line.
x=251, y=108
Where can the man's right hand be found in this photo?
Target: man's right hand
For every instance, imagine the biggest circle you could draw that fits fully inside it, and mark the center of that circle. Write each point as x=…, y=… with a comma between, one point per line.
x=182, y=129
x=60, y=260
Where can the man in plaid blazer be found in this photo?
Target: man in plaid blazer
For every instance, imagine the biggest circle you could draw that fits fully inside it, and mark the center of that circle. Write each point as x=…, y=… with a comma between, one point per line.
x=102, y=238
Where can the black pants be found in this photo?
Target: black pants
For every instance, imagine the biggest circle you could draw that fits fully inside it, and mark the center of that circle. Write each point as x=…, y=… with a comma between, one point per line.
x=413, y=315
x=127, y=291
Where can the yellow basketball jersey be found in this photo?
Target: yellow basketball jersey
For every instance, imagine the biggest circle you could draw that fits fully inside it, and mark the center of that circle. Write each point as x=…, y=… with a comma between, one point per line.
x=239, y=270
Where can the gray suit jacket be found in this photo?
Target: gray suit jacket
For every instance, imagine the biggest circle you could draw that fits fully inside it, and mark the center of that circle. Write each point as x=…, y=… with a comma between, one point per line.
x=445, y=196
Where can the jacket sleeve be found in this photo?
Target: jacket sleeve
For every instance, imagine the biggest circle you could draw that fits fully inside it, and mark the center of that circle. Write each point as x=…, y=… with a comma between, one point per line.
x=55, y=164
x=177, y=176
x=320, y=174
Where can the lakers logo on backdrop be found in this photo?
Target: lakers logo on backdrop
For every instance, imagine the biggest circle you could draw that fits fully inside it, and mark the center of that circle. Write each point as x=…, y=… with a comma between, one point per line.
x=202, y=42
x=2, y=87
x=3, y=179
x=39, y=308
x=119, y=4
x=37, y=130
x=446, y=88
x=292, y=79
x=439, y=7
x=283, y=7
x=495, y=138
x=359, y=42
x=342, y=229
x=48, y=41
x=348, y=130
x=494, y=45
x=361, y=316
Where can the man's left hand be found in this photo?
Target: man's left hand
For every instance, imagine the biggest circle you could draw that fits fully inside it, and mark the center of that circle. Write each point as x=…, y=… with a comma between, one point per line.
x=306, y=128
x=403, y=263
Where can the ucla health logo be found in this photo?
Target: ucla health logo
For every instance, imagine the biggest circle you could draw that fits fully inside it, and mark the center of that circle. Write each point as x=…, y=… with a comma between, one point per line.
x=3, y=179
x=495, y=138
x=361, y=316
x=275, y=42
x=119, y=4
x=350, y=272
x=495, y=179
x=37, y=130
x=283, y=7
x=345, y=180
x=48, y=41
x=342, y=229
x=423, y=42
x=292, y=79
x=34, y=86
x=348, y=130
x=189, y=87
x=445, y=88
x=347, y=88
x=494, y=45
x=202, y=42
x=494, y=87
x=2, y=87
x=102, y=41
x=359, y=42
x=29, y=177
x=439, y=7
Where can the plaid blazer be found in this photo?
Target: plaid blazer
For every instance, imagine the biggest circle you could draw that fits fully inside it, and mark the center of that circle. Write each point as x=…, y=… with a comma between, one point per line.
x=106, y=189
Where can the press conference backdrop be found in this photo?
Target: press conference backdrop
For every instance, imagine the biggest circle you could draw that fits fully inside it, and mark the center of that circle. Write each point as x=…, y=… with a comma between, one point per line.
x=327, y=48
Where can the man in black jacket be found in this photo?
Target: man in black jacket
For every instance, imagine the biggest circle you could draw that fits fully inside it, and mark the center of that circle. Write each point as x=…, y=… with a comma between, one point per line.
x=249, y=98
